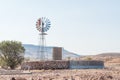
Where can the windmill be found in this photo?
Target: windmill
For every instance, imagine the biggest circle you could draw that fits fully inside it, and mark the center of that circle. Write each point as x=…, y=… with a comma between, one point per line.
x=42, y=25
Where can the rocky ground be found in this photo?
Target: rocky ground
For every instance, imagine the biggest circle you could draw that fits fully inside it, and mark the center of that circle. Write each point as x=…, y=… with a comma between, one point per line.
x=76, y=74
x=110, y=72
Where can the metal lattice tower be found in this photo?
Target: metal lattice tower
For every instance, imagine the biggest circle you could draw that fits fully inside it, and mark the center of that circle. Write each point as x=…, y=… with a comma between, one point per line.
x=42, y=25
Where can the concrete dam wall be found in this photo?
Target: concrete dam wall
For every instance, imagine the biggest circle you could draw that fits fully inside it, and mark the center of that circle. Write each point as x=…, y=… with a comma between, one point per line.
x=86, y=64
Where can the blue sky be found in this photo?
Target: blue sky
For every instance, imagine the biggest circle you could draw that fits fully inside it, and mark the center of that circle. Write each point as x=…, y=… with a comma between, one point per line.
x=80, y=26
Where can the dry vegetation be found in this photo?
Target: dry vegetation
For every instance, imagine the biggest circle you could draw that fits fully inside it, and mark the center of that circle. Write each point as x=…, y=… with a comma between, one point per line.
x=111, y=72
x=87, y=74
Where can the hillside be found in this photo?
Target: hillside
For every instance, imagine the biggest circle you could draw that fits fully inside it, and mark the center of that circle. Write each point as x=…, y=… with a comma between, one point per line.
x=31, y=52
x=106, y=57
x=108, y=54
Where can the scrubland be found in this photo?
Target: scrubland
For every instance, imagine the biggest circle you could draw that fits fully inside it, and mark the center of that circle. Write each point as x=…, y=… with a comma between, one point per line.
x=110, y=72
x=74, y=74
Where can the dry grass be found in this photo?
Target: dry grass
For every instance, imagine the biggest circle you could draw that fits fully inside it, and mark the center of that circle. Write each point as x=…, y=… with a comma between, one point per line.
x=76, y=74
x=111, y=72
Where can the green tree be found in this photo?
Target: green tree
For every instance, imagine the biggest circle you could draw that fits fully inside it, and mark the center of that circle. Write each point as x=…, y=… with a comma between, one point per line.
x=11, y=53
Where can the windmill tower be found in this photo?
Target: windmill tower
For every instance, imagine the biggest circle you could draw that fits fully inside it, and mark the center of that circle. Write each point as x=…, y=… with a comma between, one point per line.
x=42, y=25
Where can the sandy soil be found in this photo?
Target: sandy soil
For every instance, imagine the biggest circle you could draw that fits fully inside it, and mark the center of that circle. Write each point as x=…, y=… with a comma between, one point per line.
x=76, y=74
